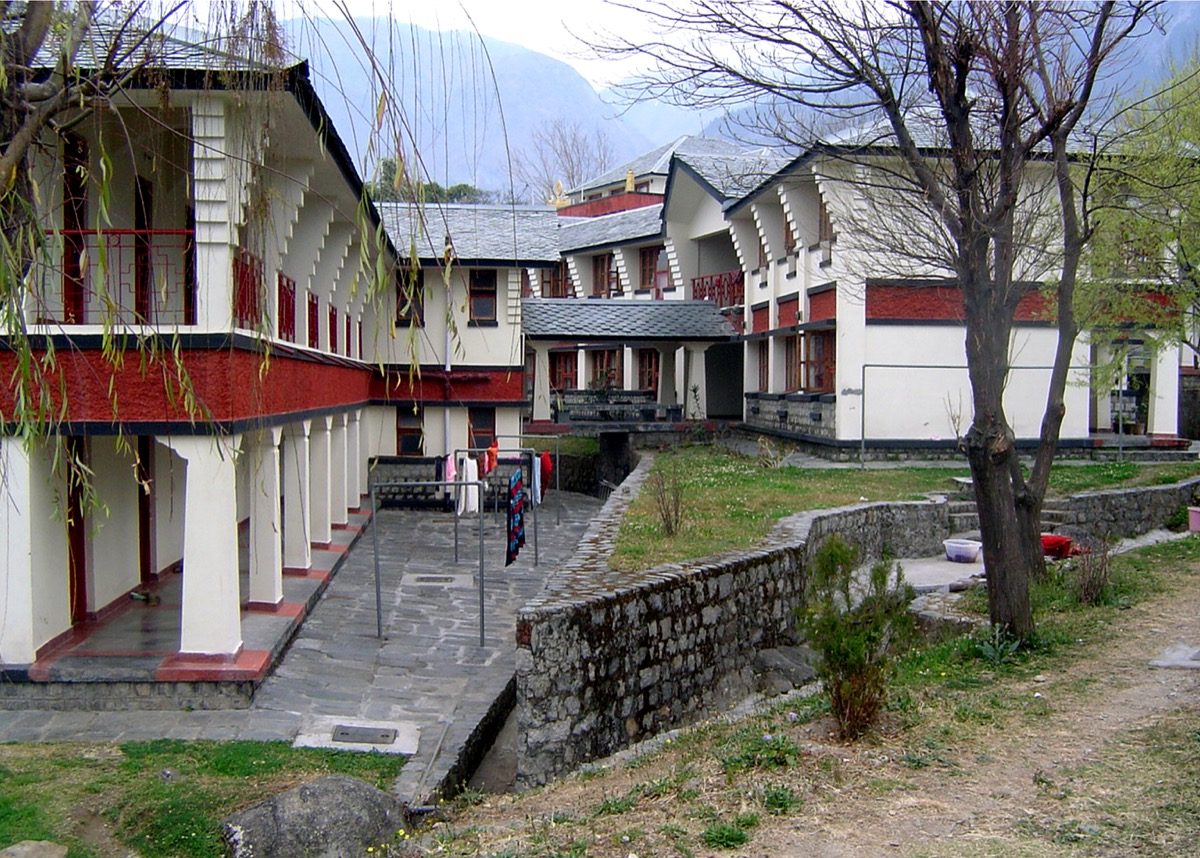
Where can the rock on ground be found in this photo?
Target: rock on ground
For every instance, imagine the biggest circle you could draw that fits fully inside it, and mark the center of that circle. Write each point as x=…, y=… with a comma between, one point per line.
x=34, y=849
x=333, y=817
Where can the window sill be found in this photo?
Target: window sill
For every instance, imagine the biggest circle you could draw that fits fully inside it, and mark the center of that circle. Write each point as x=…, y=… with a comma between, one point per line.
x=483, y=323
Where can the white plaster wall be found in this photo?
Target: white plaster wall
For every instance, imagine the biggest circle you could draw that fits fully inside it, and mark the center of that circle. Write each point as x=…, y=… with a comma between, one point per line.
x=498, y=345
x=51, y=580
x=241, y=465
x=16, y=562
x=919, y=403
x=169, y=488
x=379, y=430
x=508, y=422
x=114, y=526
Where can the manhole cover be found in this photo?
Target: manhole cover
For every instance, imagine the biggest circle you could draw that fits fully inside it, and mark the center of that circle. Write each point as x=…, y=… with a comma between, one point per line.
x=364, y=735
x=434, y=579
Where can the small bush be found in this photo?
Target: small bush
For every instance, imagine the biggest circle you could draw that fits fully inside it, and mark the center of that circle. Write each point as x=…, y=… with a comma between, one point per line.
x=855, y=633
x=1092, y=573
x=997, y=647
x=750, y=749
x=780, y=799
x=668, y=500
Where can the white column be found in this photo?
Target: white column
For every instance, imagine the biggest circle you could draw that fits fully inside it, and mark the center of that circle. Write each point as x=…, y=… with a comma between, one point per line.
x=297, y=548
x=628, y=369
x=337, y=471
x=354, y=484
x=666, y=377
x=581, y=369
x=696, y=403
x=210, y=614
x=17, y=645
x=266, y=545
x=1163, y=417
x=541, y=381
x=318, y=481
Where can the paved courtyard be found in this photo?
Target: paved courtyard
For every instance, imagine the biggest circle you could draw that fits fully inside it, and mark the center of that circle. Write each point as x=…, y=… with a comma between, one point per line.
x=428, y=677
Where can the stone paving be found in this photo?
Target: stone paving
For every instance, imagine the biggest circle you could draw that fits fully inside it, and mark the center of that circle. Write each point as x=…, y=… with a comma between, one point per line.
x=428, y=675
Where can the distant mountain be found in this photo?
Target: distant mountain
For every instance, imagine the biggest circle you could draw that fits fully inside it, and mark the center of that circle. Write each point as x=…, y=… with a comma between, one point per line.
x=462, y=102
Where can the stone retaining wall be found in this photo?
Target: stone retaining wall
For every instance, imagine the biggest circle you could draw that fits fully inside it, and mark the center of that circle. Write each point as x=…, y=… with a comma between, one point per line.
x=1128, y=512
x=606, y=658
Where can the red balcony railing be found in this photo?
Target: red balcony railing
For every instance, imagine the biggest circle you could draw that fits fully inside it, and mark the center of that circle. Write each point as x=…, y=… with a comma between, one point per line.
x=120, y=276
x=333, y=329
x=287, y=308
x=726, y=289
x=314, y=321
x=247, y=289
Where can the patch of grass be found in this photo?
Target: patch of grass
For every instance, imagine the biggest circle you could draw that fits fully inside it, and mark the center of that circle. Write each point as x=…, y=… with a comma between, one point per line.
x=44, y=786
x=615, y=806
x=731, y=501
x=723, y=835
x=780, y=799
x=752, y=749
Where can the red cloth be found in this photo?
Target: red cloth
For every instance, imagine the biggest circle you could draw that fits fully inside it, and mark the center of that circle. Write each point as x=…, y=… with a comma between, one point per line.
x=546, y=468
x=493, y=453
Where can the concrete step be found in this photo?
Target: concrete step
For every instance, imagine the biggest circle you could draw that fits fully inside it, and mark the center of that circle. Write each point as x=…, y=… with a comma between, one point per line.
x=121, y=696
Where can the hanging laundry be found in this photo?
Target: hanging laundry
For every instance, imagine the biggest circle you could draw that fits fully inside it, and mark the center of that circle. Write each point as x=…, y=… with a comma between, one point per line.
x=493, y=454
x=535, y=481
x=468, y=498
x=451, y=473
x=546, y=468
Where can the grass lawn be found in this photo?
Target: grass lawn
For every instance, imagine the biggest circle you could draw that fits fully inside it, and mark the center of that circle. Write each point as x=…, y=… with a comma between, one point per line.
x=731, y=502
x=159, y=798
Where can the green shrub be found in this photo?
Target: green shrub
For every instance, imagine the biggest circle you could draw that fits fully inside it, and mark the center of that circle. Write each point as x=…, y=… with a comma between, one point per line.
x=856, y=626
x=722, y=835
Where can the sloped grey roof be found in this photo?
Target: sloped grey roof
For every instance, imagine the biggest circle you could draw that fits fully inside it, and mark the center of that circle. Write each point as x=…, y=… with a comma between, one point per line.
x=623, y=320
x=733, y=176
x=630, y=225
x=657, y=161
x=482, y=233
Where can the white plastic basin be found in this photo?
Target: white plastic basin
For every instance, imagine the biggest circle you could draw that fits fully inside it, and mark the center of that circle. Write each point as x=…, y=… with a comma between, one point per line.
x=962, y=550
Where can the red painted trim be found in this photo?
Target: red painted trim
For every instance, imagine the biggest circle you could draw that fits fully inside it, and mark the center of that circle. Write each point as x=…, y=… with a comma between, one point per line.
x=823, y=306
x=283, y=609
x=230, y=384
x=941, y=303
x=608, y=205
x=789, y=312
x=760, y=319
x=466, y=384
x=247, y=665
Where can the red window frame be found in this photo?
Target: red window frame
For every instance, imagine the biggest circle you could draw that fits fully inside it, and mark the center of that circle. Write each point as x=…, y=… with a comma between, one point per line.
x=556, y=282
x=819, y=361
x=248, y=287
x=649, y=361
x=564, y=371
x=333, y=329
x=314, y=321
x=608, y=368
x=605, y=282
x=764, y=366
x=286, y=289
x=482, y=295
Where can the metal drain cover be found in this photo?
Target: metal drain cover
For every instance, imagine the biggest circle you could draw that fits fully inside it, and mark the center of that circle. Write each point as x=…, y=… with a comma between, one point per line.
x=434, y=579
x=363, y=735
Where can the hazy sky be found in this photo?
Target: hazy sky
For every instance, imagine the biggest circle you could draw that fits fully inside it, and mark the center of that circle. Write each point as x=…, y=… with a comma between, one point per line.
x=550, y=27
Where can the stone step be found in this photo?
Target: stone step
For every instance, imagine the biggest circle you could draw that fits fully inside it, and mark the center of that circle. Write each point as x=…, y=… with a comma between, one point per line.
x=120, y=696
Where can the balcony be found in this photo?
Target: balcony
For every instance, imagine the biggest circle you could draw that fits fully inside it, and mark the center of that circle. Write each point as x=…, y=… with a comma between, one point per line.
x=726, y=289
x=627, y=407
x=119, y=276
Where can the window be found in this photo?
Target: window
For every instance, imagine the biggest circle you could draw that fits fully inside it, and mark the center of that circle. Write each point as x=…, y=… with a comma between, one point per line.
x=824, y=224
x=648, y=369
x=762, y=253
x=606, y=369
x=248, y=288
x=764, y=366
x=654, y=269
x=604, y=276
x=481, y=290
x=481, y=427
x=333, y=329
x=410, y=297
x=563, y=368
x=526, y=284
x=793, y=377
x=314, y=321
x=819, y=362
x=789, y=238
x=410, y=437
x=641, y=188
x=286, y=288
x=556, y=282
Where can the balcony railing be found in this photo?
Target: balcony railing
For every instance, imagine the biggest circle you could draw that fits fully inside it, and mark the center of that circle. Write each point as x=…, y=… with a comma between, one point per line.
x=726, y=289
x=248, y=289
x=287, y=308
x=119, y=276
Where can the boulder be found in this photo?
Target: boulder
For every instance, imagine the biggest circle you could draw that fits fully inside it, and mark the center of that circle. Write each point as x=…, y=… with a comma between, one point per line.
x=34, y=849
x=792, y=664
x=332, y=817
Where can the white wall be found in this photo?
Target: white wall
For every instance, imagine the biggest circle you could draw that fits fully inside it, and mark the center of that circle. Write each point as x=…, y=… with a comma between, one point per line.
x=113, y=525
x=51, y=579
x=169, y=489
x=918, y=403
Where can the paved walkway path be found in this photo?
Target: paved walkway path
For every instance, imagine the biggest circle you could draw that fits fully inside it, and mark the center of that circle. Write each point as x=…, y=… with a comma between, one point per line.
x=428, y=677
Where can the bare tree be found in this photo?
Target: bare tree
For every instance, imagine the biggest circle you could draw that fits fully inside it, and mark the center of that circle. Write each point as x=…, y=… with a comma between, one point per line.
x=562, y=152
x=974, y=103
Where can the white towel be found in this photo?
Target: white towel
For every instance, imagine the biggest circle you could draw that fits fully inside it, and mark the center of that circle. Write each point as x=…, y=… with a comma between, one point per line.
x=468, y=498
x=536, y=471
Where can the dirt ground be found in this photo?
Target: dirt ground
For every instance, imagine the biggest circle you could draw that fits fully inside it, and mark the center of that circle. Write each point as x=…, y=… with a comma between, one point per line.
x=1078, y=770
